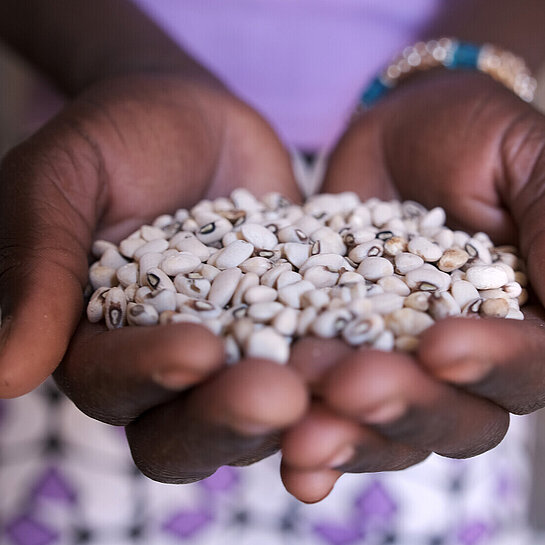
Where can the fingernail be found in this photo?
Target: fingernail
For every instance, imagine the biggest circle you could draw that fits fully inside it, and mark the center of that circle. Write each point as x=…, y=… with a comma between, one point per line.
x=174, y=379
x=466, y=370
x=385, y=413
x=341, y=457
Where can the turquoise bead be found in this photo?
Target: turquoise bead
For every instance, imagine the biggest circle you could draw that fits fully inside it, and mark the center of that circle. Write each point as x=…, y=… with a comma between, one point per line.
x=465, y=55
x=376, y=90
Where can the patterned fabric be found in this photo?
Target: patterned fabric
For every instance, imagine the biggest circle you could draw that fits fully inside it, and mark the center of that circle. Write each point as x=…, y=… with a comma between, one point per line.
x=67, y=480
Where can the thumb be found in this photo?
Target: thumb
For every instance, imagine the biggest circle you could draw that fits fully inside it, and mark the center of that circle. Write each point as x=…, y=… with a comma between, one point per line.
x=523, y=158
x=358, y=163
x=43, y=264
x=252, y=156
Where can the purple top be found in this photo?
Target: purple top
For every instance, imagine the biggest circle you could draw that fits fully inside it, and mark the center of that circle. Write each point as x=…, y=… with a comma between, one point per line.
x=301, y=63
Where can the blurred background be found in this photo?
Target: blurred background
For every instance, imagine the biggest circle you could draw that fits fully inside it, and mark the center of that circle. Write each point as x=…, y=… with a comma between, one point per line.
x=26, y=101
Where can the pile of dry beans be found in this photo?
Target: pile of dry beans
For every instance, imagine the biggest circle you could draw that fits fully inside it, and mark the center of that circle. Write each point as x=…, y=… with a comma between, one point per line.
x=263, y=272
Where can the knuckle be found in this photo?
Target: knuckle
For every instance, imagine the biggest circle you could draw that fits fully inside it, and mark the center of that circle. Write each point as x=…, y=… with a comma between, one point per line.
x=525, y=406
x=523, y=154
x=386, y=459
x=91, y=401
x=486, y=438
x=162, y=474
x=155, y=464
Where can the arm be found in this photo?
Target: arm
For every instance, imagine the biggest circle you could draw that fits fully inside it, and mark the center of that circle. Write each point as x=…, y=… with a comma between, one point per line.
x=79, y=42
x=516, y=26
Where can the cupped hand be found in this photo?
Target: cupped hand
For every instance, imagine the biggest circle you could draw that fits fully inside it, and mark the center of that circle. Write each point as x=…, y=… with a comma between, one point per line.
x=124, y=152
x=463, y=142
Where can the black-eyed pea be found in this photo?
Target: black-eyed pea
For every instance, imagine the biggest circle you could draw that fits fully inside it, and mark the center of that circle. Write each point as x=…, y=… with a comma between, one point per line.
x=442, y=305
x=373, y=268
x=406, y=343
x=406, y=261
x=100, y=276
x=452, y=259
x=394, y=284
x=418, y=300
x=425, y=248
x=115, y=308
x=494, y=308
x=269, y=344
x=486, y=277
x=296, y=253
x=95, y=307
x=142, y=314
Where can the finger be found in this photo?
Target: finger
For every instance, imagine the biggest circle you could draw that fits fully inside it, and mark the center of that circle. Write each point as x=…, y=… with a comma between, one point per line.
x=358, y=162
x=522, y=182
x=324, y=439
x=114, y=376
x=392, y=393
x=466, y=167
x=253, y=157
x=501, y=360
x=311, y=357
x=309, y=486
x=231, y=419
x=322, y=445
x=43, y=266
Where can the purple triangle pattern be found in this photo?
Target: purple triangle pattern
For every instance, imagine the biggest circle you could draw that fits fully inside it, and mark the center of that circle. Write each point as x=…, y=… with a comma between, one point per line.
x=185, y=524
x=54, y=486
x=25, y=530
x=223, y=480
x=507, y=487
x=338, y=534
x=476, y=532
x=375, y=503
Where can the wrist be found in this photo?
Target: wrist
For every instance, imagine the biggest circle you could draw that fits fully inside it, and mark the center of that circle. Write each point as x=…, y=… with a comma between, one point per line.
x=173, y=64
x=501, y=65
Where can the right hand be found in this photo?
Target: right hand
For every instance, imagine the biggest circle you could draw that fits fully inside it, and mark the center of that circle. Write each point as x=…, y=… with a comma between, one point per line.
x=126, y=151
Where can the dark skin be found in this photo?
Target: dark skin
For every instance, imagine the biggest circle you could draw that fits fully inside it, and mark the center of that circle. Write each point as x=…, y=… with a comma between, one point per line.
x=214, y=141
x=370, y=411
x=454, y=396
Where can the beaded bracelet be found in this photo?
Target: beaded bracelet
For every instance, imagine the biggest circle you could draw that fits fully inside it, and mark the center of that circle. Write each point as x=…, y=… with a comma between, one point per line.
x=498, y=63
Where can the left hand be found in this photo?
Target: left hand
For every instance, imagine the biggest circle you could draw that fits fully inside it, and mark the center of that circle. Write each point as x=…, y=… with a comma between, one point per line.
x=461, y=141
